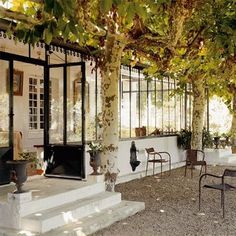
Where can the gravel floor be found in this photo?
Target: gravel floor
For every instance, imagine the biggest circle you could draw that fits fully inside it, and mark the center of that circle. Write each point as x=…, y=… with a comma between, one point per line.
x=172, y=207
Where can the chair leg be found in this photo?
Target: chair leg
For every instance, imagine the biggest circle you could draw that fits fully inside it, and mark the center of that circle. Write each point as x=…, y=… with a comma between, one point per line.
x=223, y=203
x=221, y=199
x=200, y=195
x=201, y=170
x=146, y=167
x=185, y=172
x=161, y=169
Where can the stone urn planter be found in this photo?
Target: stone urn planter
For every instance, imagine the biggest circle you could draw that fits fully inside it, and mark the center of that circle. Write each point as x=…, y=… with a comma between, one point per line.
x=216, y=141
x=95, y=156
x=95, y=161
x=18, y=173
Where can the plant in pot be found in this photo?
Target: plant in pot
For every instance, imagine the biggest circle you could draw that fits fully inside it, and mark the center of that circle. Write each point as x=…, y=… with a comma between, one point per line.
x=95, y=159
x=207, y=139
x=227, y=137
x=34, y=166
x=216, y=140
x=184, y=139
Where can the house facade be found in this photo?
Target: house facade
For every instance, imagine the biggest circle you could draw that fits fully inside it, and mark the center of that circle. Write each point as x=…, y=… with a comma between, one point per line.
x=51, y=102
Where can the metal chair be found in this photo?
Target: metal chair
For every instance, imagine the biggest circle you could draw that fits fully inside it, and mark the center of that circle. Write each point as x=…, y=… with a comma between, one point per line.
x=156, y=157
x=193, y=159
x=223, y=187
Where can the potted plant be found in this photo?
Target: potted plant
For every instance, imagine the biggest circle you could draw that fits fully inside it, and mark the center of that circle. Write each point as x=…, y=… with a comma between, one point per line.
x=216, y=140
x=184, y=139
x=227, y=136
x=95, y=159
x=33, y=165
x=207, y=140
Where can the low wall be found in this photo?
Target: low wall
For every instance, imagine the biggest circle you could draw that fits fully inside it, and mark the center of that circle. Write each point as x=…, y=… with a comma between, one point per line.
x=167, y=143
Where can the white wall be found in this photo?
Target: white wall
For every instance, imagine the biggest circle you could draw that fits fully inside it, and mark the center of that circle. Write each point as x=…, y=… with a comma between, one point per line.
x=168, y=144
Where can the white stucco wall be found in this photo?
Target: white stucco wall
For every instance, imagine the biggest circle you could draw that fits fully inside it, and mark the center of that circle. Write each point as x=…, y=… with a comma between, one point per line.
x=168, y=144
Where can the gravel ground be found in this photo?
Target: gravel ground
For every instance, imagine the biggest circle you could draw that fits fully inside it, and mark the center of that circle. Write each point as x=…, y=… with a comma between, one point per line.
x=172, y=207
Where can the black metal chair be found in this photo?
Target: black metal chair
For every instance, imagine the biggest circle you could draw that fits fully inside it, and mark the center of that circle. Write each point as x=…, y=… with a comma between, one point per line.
x=156, y=157
x=195, y=157
x=222, y=186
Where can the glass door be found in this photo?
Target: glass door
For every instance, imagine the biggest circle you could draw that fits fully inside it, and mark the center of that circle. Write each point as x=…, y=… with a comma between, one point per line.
x=65, y=117
x=5, y=132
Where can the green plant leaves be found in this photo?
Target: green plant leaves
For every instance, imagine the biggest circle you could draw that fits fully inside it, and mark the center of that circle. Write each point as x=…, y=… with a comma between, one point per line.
x=105, y=5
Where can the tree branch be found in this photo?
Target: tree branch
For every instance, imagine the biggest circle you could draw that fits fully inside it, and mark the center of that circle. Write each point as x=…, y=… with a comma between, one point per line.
x=6, y=13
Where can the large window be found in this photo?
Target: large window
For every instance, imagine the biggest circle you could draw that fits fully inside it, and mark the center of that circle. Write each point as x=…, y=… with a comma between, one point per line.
x=36, y=103
x=151, y=104
x=36, y=109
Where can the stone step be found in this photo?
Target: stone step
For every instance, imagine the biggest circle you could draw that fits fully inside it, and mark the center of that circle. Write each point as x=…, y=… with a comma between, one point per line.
x=99, y=220
x=89, y=224
x=217, y=153
x=42, y=203
x=232, y=158
x=43, y=221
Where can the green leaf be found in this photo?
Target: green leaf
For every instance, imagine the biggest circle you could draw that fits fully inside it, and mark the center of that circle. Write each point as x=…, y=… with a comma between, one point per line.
x=20, y=34
x=73, y=27
x=66, y=31
x=130, y=13
x=47, y=36
x=48, y=5
x=141, y=11
x=118, y=2
x=57, y=9
x=105, y=5
x=122, y=9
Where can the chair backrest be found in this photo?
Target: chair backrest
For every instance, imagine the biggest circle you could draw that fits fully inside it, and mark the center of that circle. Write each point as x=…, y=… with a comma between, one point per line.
x=230, y=173
x=149, y=150
x=192, y=155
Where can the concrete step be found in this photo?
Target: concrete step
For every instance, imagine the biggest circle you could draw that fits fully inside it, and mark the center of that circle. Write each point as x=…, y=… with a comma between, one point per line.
x=43, y=221
x=99, y=220
x=39, y=204
x=219, y=156
x=217, y=153
x=232, y=158
x=89, y=224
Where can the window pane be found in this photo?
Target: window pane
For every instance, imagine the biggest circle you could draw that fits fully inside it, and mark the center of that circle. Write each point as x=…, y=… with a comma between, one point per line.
x=143, y=103
x=4, y=105
x=56, y=105
x=74, y=103
x=151, y=106
x=166, y=114
x=159, y=105
x=125, y=107
x=134, y=105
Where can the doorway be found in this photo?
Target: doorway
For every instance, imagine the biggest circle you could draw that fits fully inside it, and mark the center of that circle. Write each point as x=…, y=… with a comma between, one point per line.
x=41, y=106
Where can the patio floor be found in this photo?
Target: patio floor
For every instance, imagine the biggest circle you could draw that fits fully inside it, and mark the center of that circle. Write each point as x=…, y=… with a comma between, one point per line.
x=172, y=207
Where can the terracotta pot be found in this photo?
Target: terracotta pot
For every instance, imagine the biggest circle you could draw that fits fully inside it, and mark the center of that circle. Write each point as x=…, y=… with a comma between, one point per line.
x=31, y=169
x=39, y=171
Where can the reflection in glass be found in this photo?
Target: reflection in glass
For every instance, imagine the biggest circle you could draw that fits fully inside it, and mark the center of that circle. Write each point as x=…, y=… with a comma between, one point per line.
x=4, y=105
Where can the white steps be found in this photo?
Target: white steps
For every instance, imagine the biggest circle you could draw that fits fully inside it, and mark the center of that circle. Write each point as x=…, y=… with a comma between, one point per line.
x=89, y=224
x=99, y=220
x=55, y=217
x=40, y=204
x=220, y=157
x=57, y=205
